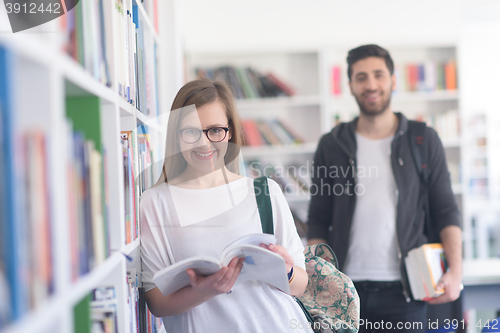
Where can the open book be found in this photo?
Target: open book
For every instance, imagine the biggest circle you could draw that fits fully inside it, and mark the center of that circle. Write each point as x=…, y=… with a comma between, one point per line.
x=260, y=264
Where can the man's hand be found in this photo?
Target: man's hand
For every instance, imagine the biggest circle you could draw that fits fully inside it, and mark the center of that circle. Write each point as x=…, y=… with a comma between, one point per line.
x=451, y=282
x=218, y=283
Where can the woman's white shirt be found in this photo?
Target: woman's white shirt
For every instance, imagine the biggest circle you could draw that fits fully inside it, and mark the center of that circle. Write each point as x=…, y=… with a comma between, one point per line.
x=178, y=223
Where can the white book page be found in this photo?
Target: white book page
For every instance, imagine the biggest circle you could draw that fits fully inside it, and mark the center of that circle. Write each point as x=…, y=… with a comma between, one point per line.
x=424, y=271
x=252, y=239
x=173, y=278
x=413, y=275
x=260, y=264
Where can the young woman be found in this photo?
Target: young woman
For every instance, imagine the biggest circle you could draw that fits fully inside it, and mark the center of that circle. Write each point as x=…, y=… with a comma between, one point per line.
x=199, y=206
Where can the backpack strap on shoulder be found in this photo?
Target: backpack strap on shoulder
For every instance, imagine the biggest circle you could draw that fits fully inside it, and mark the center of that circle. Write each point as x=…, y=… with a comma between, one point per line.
x=263, y=198
x=416, y=135
x=418, y=146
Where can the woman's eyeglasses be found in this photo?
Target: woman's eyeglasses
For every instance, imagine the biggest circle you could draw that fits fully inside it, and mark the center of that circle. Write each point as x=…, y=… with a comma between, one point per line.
x=214, y=134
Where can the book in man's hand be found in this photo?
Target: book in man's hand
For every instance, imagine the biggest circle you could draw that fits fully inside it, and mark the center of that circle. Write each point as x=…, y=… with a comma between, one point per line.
x=425, y=266
x=260, y=264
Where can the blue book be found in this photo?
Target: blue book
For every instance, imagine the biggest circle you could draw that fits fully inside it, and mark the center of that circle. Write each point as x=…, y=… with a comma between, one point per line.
x=78, y=142
x=421, y=77
x=13, y=219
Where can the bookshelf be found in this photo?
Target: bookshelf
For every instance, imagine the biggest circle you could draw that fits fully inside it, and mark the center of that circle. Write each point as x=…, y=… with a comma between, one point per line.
x=479, y=111
x=49, y=92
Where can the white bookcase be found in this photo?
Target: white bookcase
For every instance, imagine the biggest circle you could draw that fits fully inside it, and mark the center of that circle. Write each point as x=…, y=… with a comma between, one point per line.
x=43, y=76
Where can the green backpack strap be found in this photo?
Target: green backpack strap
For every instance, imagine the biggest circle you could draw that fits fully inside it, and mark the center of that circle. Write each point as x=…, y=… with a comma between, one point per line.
x=263, y=198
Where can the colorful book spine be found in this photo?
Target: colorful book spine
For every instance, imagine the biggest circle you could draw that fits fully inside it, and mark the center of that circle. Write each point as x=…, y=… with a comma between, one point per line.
x=87, y=40
x=132, y=185
x=14, y=252
x=248, y=83
x=269, y=132
x=428, y=76
x=336, y=83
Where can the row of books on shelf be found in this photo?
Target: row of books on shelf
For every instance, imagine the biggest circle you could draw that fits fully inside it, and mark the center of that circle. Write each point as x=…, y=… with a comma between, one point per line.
x=269, y=132
x=88, y=205
x=131, y=195
x=98, y=311
x=26, y=247
x=87, y=185
x=247, y=83
x=89, y=40
x=429, y=76
x=138, y=176
x=142, y=320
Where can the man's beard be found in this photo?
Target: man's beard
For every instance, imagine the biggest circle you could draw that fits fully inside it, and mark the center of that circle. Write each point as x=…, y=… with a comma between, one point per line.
x=376, y=112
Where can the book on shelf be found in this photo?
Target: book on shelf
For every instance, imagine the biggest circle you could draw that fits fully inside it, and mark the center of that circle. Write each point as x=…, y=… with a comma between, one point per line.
x=87, y=181
x=88, y=38
x=26, y=255
x=247, y=83
x=132, y=280
x=142, y=320
x=26, y=221
x=336, y=88
x=260, y=264
x=145, y=159
x=425, y=266
x=129, y=149
x=268, y=132
x=427, y=76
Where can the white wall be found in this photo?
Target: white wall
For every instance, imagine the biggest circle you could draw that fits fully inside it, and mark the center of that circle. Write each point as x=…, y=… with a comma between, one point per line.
x=235, y=26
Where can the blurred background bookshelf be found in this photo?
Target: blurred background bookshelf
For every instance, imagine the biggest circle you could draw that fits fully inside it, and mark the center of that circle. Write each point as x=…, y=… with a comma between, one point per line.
x=443, y=79
x=82, y=137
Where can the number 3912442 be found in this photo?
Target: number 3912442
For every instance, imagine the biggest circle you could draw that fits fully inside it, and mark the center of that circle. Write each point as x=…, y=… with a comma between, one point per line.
x=33, y=8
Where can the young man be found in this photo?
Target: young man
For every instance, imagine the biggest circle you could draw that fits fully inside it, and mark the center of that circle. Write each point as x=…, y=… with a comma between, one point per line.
x=368, y=205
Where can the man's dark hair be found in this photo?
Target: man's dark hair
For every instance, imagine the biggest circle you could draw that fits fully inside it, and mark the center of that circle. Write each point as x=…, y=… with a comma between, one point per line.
x=365, y=51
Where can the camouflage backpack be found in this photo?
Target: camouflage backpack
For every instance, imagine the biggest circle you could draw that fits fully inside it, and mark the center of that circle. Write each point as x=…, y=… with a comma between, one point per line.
x=330, y=301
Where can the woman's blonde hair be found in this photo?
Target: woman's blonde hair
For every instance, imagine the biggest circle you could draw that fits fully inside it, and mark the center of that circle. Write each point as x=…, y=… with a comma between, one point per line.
x=196, y=94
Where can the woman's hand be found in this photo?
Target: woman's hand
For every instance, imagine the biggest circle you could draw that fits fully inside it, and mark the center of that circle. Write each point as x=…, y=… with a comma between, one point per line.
x=282, y=252
x=218, y=283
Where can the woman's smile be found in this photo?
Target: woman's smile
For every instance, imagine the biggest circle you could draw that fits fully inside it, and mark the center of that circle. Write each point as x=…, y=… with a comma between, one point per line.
x=204, y=155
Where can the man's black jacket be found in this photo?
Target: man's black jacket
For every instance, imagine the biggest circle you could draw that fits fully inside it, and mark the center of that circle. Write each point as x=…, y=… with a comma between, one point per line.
x=333, y=191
